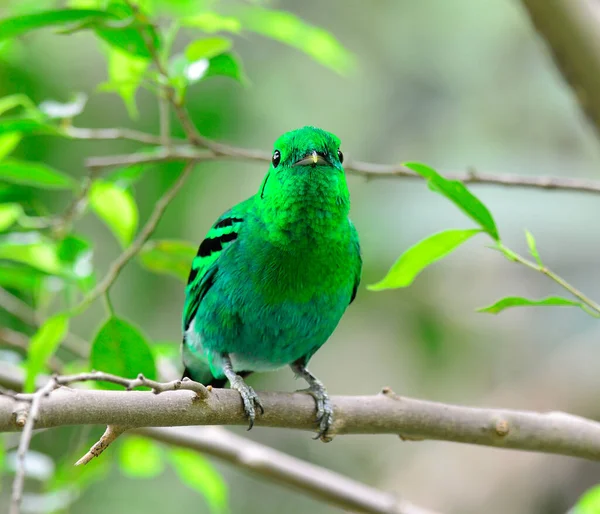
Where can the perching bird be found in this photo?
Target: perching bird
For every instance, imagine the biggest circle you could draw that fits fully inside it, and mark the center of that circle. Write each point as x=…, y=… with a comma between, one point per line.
x=275, y=274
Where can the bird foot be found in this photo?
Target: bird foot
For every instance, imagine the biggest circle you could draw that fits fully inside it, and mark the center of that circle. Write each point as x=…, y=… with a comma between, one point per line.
x=249, y=398
x=324, y=409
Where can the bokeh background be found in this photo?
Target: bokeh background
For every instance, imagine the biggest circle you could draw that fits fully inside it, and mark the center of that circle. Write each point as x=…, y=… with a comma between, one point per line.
x=457, y=85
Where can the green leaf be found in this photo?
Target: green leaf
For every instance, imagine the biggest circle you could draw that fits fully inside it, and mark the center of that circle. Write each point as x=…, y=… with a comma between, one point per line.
x=19, y=100
x=170, y=257
x=418, y=257
x=457, y=193
x=589, y=503
x=9, y=213
x=198, y=473
x=27, y=125
x=120, y=348
x=226, y=65
x=43, y=345
x=211, y=22
x=125, y=74
x=8, y=142
x=287, y=28
x=207, y=48
x=34, y=174
x=117, y=208
x=125, y=177
x=141, y=458
x=76, y=256
x=20, y=277
x=533, y=247
x=13, y=27
x=516, y=301
x=39, y=255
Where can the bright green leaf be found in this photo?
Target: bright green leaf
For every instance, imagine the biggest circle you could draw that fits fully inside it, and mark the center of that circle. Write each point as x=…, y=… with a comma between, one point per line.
x=125, y=74
x=287, y=28
x=43, y=345
x=457, y=193
x=120, y=348
x=168, y=256
x=34, y=174
x=19, y=100
x=516, y=301
x=212, y=22
x=198, y=473
x=20, y=277
x=589, y=503
x=13, y=27
x=39, y=255
x=533, y=247
x=76, y=256
x=418, y=257
x=226, y=65
x=141, y=458
x=8, y=142
x=207, y=48
x=125, y=177
x=117, y=208
x=9, y=213
x=27, y=125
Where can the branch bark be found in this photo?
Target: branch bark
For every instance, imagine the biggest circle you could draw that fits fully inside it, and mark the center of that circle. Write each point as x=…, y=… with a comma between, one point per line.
x=385, y=413
x=571, y=28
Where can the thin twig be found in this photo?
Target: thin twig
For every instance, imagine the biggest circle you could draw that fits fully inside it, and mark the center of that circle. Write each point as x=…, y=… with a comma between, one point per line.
x=131, y=251
x=113, y=134
x=364, y=169
x=110, y=435
x=26, y=314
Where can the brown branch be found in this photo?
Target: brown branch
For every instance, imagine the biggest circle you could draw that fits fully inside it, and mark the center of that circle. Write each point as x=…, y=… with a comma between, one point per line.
x=364, y=169
x=318, y=482
x=132, y=250
x=571, y=28
x=385, y=413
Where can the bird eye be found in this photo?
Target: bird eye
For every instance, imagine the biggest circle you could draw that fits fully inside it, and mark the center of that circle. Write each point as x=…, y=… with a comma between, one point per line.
x=276, y=158
x=340, y=156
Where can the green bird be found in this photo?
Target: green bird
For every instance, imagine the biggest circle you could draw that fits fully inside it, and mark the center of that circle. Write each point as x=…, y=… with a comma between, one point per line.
x=275, y=274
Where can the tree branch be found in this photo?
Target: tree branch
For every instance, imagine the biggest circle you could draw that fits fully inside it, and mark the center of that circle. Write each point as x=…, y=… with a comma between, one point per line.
x=571, y=29
x=318, y=482
x=364, y=169
x=385, y=413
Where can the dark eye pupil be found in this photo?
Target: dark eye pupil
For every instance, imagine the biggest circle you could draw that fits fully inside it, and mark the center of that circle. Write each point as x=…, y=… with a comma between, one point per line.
x=340, y=156
x=276, y=158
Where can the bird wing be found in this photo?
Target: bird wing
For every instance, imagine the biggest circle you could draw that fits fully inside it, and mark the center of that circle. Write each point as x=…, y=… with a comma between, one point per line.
x=358, y=266
x=204, y=266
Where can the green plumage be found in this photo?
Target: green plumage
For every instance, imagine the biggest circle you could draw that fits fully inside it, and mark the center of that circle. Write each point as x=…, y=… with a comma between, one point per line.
x=275, y=273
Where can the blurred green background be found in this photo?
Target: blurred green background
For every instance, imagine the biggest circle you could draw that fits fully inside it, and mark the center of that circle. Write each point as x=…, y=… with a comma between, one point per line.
x=457, y=85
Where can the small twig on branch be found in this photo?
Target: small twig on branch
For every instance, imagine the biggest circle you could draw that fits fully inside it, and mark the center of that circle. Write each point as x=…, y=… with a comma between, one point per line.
x=110, y=434
x=132, y=250
x=114, y=133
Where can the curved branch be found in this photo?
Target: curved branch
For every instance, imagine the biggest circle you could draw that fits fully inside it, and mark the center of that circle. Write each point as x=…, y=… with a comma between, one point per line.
x=571, y=29
x=385, y=413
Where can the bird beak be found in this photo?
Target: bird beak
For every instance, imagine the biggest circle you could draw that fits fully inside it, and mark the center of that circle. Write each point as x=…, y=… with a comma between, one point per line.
x=312, y=159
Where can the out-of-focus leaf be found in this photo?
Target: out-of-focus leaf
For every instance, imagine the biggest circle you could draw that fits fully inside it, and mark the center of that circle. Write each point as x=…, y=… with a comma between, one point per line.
x=19, y=100
x=207, y=48
x=13, y=27
x=27, y=125
x=140, y=457
x=120, y=348
x=8, y=142
x=211, y=22
x=117, y=208
x=166, y=350
x=458, y=194
x=589, y=503
x=168, y=256
x=516, y=301
x=533, y=247
x=9, y=213
x=226, y=65
x=20, y=277
x=76, y=254
x=43, y=345
x=54, y=109
x=125, y=74
x=39, y=255
x=125, y=177
x=198, y=473
x=34, y=174
x=418, y=257
x=287, y=28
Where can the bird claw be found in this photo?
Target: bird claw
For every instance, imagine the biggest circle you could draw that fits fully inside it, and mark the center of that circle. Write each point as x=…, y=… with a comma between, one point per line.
x=324, y=409
x=249, y=398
